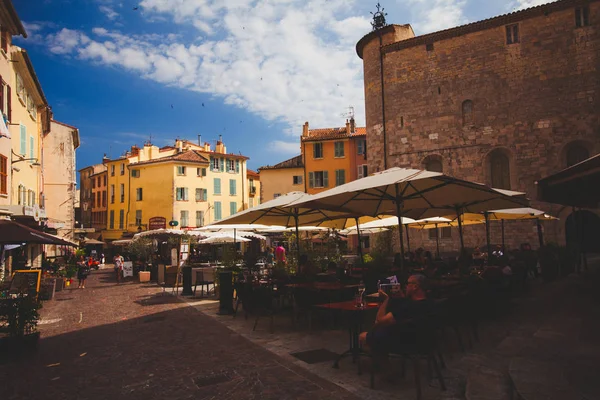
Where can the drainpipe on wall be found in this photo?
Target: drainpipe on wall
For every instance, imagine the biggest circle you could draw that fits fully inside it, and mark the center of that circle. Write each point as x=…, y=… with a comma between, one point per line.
x=244, y=177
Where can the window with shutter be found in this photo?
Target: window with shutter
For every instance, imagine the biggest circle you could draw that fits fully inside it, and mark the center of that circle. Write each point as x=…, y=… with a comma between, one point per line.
x=512, y=34
x=433, y=233
x=111, y=224
x=8, y=103
x=199, y=218
x=467, y=112
x=184, y=218
x=232, y=187
x=360, y=147
x=138, y=194
x=31, y=148
x=217, y=185
x=325, y=179
x=198, y=194
x=121, y=218
x=311, y=179
x=362, y=171
x=122, y=193
x=138, y=217
x=339, y=149
x=317, y=150
x=3, y=175
x=237, y=166
x=232, y=208
x=222, y=165
x=340, y=177
x=23, y=149
x=217, y=210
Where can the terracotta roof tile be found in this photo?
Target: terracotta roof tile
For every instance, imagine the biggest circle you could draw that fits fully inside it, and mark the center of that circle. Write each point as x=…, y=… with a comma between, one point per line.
x=294, y=162
x=333, y=133
x=187, y=156
x=252, y=174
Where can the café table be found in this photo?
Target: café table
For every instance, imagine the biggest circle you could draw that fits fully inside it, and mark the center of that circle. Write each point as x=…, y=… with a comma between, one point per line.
x=355, y=326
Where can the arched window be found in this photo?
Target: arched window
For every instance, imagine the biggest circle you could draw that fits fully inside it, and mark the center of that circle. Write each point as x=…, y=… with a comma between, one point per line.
x=433, y=164
x=467, y=112
x=499, y=170
x=576, y=153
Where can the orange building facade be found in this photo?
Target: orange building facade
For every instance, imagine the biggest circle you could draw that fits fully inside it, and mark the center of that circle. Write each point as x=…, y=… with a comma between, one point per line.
x=333, y=156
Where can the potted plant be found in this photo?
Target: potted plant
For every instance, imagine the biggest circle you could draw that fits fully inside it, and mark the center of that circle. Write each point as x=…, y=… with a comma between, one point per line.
x=20, y=316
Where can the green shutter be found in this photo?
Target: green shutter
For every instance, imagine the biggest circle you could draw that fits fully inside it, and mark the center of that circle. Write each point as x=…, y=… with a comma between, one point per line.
x=315, y=150
x=178, y=194
x=31, y=148
x=205, y=194
x=232, y=187
x=311, y=179
x=232, y=208
x=325, y=179
x=222, y=165
x=203, y=171
x=217, y=188
x=237, y=166
x=217, y=210
x=23, y=140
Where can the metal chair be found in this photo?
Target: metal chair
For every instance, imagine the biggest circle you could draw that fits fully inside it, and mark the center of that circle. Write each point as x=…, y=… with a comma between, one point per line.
x=204, y=277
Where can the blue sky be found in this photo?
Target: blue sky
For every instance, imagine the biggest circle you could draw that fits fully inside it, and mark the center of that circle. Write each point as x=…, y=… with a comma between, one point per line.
x=250, y=70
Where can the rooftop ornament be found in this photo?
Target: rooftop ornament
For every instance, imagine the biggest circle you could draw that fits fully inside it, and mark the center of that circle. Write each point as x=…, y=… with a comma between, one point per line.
x=378, y=18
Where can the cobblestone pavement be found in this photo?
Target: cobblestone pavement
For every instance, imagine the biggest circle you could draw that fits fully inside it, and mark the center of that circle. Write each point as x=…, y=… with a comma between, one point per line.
x=127, y=341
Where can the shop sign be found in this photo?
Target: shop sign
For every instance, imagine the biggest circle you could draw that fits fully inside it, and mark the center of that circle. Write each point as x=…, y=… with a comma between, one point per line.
x=157, y=223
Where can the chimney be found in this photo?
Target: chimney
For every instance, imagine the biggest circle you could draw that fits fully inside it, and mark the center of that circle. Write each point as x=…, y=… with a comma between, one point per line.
x=200, y=140
x=179, y=145
x=305, y=130
x=348, y=127
x=352, y=125
x=206, y=146
x=135, y=150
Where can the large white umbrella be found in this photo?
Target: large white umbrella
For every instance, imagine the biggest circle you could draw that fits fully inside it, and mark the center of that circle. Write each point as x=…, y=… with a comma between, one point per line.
x=231, y=227
x=278, y=212
x=412, y=193
x=222, y=237
x=278, y=229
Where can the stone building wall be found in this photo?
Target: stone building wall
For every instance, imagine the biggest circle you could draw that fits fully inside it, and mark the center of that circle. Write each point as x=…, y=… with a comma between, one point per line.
x=530, y=101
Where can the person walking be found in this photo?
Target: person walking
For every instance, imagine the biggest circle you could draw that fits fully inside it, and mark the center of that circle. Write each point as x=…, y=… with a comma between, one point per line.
x=118, y=260
x=83, y=270
x=280, y=254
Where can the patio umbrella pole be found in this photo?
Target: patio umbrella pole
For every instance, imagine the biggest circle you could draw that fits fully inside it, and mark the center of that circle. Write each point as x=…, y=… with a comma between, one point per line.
x=487, y=233
x=360, y=253
x=437, y=241
x=540, y=232
x=460, y=230
x=502, y=223
x=297, y=236
x=407, y=241
x=399, y=215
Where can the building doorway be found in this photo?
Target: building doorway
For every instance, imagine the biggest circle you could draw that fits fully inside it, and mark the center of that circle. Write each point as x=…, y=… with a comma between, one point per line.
x=585, y=226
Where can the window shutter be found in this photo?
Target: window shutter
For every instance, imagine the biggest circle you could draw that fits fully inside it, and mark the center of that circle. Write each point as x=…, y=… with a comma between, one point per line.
x=178, y=194
x=8, y=103
x=237, y=166
x=360, y=172
x=311, y=179
x=222, y=165
x=23, y=149
x=198, y=194
x=325, y=179
x=185, y=194
x=203, y=171
x=31, y=148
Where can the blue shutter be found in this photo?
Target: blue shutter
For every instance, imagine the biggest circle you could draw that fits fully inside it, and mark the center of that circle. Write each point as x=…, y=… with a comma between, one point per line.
x=204, y=195
x=232, y=208
x=23, y=140
x=237, y=166
x=217, y=184
x=232, y=187
x=178, y=194
x=211, y=163
x=217, y=210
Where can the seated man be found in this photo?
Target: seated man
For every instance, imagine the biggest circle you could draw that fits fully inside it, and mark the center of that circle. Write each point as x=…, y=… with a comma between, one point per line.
x=395, y=316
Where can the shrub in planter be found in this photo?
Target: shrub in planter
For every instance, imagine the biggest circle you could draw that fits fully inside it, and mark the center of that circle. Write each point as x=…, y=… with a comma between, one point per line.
x=20, y=315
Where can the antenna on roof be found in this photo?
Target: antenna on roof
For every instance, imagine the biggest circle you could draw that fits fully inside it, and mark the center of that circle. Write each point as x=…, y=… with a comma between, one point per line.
x=349, y=114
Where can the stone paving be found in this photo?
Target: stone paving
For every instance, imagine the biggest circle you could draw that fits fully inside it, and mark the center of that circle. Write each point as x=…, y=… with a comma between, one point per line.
x=127, y=341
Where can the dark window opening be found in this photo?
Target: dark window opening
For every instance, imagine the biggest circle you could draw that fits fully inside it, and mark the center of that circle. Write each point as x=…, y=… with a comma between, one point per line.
x=512, y=34
x=582, y=16
x=429, y=47
x=500, y=170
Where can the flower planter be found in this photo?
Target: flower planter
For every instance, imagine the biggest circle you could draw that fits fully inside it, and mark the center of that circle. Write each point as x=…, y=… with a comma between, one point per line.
x=144, y=276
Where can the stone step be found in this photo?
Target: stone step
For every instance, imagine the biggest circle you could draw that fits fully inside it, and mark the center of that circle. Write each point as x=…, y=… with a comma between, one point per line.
x=488, y=384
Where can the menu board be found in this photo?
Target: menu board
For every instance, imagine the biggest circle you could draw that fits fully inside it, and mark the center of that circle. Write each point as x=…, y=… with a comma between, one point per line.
x=26, y=281
x=127, y=269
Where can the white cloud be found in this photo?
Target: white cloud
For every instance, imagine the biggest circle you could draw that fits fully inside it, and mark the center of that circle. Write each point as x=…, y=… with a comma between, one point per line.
x=522, y=4
x=109, y=12
x=284, y=148
x=435, y=15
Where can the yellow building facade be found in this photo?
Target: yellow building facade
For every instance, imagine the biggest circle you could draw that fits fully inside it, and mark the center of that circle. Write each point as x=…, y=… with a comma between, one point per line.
x=284, y=177
x=184, y=186
x=333, y=156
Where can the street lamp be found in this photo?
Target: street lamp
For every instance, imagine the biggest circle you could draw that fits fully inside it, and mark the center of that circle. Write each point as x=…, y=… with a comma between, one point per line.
x=20, y=158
